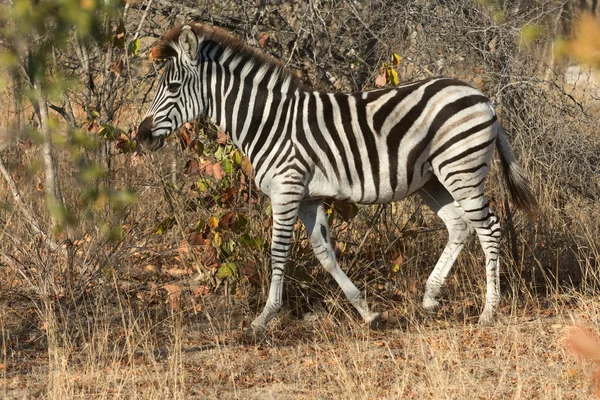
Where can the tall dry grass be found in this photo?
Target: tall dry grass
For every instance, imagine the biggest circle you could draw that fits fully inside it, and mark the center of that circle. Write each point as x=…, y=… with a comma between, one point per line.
x=140, y=315
x=121, y=337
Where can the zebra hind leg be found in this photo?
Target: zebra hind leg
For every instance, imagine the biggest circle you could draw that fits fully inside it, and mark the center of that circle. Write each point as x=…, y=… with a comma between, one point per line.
x=472, y=201
x=488, y=230
x=463, y=171
x=459, y=229
x=312, y=213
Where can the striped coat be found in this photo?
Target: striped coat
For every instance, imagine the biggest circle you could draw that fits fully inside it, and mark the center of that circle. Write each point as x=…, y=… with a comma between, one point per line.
x=434, y=137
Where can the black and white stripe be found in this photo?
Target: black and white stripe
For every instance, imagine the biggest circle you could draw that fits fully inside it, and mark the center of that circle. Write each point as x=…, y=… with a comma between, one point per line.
x=435, y=137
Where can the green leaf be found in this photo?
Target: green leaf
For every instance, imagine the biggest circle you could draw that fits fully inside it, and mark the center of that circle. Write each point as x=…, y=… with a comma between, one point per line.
x=237, y=158
x=124, y=197
x=134, y=48
x=227, y=270
x=8, y=59
x=219, y=153
x=61, y=213
x=90, y=173
x=227, y=166
x=115, y=234
x=126, y=146
x=251, y=242
x=392, y=76
x=164, y=225
x=109, y=132
x=80, y=139
x=198, y=147
x=530, y=33
x=227, y=248
x=202, y=185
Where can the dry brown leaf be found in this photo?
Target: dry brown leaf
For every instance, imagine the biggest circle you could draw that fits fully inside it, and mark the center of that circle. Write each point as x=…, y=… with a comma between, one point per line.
x=183, y=138
x=206, y=168
x=217, y=171
x=250, y=271
x=225, y=220
x=144, y=273
x=177, y=272
x=246, y=166
x=196, y=147
x=585, y=343
x=173, y=294
x=201, y=291
x=192, y=167
x=117, y=67
x=196, y=239
x=414, y=286
x=184, y=248
x=264, y=39
x=209, y=258
x=398, y=259
x=221, y=137
x=586, y=46
x=380, y=81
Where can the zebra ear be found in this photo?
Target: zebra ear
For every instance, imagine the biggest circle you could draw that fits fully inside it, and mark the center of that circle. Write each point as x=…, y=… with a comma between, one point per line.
x=188, y=42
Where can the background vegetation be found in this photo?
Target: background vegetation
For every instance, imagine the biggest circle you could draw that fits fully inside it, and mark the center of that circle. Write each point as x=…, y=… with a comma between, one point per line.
x=125, y=277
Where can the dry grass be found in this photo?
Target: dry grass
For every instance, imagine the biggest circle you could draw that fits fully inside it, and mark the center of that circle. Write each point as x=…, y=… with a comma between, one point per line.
x=117, y=351
x=126, y=336
x=140, y=318
x=122, y=338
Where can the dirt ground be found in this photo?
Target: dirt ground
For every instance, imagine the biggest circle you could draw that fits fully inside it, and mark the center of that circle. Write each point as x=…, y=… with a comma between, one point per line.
x=204, y=355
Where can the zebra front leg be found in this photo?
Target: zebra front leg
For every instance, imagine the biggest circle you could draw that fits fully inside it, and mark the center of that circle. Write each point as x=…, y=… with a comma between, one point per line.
x=312, y=213
x=285, y=213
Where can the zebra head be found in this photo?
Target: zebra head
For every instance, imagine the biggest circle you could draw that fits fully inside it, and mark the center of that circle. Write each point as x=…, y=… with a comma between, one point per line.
x=177, y=99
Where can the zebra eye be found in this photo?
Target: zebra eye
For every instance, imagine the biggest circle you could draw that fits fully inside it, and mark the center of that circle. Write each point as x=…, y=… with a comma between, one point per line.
x=174, y=86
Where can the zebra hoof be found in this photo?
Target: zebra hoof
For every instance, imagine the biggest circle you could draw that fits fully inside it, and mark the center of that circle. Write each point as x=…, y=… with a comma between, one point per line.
x=486, y=319
x=430, y=305
x=254, y=335
x=376, y=323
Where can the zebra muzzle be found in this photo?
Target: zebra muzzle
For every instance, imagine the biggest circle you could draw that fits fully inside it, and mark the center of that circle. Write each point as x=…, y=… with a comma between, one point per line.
x=144, y=138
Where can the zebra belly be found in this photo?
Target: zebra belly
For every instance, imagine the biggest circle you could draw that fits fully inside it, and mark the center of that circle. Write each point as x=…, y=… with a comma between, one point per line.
x=364, y=192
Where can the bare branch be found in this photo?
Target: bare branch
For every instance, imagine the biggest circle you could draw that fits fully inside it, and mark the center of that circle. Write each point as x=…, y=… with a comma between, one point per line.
x=32, y=222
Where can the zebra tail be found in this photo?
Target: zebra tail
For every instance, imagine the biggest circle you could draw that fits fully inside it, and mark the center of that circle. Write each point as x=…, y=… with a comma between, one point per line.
x=516, y=177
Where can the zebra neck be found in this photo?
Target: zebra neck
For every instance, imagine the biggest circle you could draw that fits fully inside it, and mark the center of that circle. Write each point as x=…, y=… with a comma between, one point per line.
x=252, y=104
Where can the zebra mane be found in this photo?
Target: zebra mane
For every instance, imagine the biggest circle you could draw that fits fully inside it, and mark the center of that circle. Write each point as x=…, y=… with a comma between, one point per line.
x=164, y=49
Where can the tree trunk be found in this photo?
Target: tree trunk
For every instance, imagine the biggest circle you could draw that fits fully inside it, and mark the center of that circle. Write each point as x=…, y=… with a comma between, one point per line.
x=52, y=187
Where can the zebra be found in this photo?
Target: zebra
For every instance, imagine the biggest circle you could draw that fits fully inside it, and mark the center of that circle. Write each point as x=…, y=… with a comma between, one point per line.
x=435, y=137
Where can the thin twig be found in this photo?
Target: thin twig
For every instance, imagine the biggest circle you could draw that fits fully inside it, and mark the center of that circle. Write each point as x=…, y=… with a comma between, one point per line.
x=373, y=222
x=27, y=214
